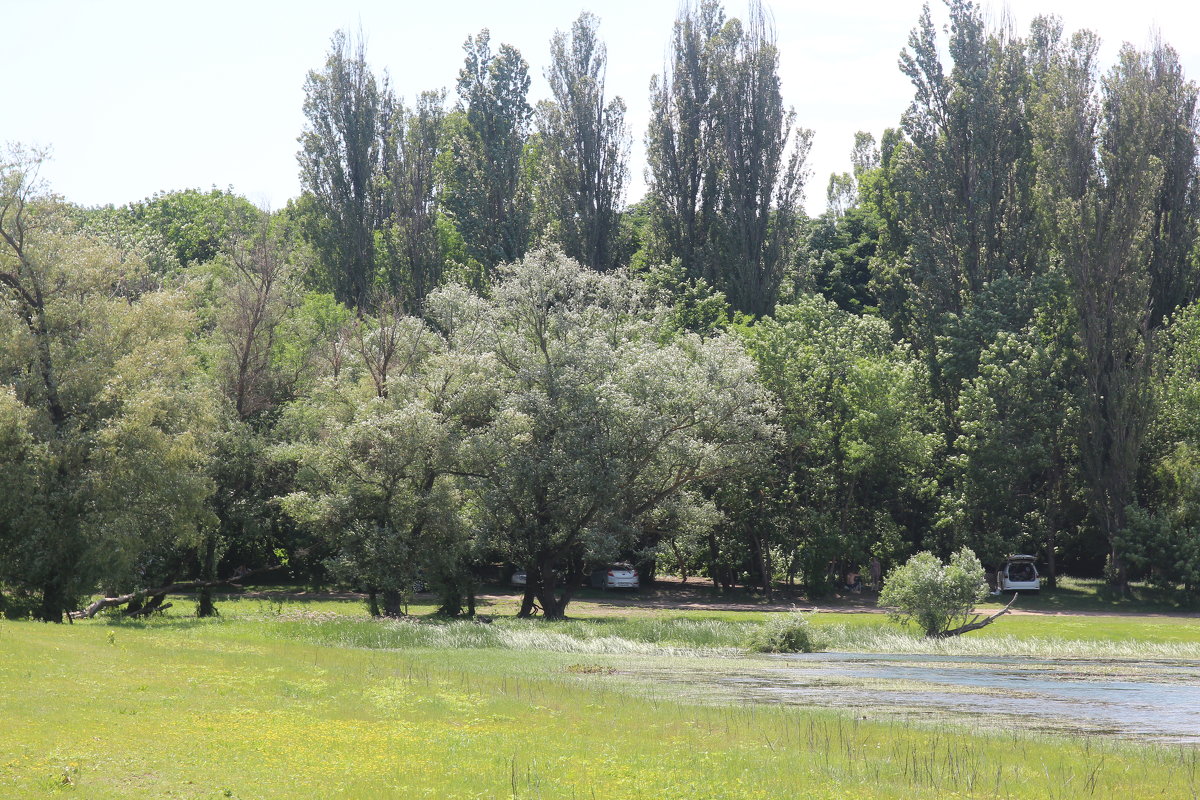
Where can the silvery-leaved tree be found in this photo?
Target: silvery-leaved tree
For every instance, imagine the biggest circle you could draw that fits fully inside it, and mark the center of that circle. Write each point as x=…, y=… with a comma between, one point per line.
x=597, y=421
x=377, y=468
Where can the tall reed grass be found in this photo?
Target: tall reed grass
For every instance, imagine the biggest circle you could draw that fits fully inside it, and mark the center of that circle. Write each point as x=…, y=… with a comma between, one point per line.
x=692, y=637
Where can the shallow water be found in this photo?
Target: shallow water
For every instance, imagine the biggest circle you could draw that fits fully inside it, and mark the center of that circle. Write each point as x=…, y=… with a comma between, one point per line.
x=1157, y=701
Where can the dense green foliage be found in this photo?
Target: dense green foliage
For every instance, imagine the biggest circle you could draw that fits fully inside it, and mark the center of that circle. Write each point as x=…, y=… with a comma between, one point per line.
x=726, y=161
x=459, y=352
x=932, y=594
x=783, y=633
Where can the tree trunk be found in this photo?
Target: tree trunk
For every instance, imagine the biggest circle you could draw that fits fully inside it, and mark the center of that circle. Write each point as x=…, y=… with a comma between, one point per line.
x=713, y=568
x=761, y=560
x=392, y=603
x=1118, y=571
x=53, y=603
x=528, y=601
x=157, y=594
x=1051, y=569
x=205, y=606
x=1118, y=574
x=554, y=603
x=155, y=603
x=551, y=608
x=976, y=622
x=46, y=366
x=373, y=602
x=452, y=603
x=1052, y=516
x=649, y=571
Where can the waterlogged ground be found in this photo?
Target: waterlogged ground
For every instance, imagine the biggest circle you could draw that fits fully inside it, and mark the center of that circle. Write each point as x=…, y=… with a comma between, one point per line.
x=1148, y=701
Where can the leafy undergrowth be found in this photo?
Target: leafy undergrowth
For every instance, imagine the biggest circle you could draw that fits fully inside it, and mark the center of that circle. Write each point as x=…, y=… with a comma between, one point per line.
x=203, y=709
x=785, y=633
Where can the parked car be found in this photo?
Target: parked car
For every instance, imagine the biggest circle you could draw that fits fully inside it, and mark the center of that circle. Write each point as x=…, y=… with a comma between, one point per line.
x=615, y=576
x=521, y=578
x=1018, y=575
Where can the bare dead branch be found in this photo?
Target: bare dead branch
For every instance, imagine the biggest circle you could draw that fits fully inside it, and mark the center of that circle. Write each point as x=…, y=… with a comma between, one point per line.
x=976, y=623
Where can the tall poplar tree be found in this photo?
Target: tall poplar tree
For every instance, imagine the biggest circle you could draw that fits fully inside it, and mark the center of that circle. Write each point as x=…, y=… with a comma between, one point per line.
x=415, y=261
x=1101, y=182
x=727, y=164
x=486, y=192
x=585, y=149
x=681, y=143
x=762, y=177
x=964, y=182
x=1174, y=265
x=342, y=154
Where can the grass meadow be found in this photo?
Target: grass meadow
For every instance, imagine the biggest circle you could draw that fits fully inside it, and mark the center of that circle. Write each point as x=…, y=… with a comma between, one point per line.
x=298, y=700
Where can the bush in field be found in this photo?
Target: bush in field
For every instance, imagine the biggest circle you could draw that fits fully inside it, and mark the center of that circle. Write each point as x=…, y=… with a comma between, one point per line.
x=783, y=633
x=933, y=594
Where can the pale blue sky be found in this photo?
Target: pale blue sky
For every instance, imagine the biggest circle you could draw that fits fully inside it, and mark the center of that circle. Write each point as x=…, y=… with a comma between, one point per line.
x=136, y=97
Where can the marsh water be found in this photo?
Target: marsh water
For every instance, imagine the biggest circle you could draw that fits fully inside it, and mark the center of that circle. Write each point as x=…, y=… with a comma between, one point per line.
x=1157, y=701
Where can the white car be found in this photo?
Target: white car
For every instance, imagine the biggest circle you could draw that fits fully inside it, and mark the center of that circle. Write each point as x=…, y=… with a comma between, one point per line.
x=615, y=576
x=1018, y=575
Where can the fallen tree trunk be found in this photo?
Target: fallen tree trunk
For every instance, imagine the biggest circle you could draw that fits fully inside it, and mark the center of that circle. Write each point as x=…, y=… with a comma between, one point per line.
x=159, y=593
x=977, y=622
x=147, y=610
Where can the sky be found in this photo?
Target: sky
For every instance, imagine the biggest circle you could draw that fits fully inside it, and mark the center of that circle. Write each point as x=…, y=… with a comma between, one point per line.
x=136, y=97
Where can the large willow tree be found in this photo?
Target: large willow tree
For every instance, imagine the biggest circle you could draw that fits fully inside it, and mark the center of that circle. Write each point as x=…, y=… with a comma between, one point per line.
x=105, y=427
x=597, y=420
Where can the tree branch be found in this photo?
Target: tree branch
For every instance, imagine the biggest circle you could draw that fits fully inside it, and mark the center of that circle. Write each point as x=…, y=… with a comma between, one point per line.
x=976, y=623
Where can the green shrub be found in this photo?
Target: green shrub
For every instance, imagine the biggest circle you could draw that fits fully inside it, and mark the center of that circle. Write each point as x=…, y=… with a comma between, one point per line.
x=932, y=594
x=783, y=633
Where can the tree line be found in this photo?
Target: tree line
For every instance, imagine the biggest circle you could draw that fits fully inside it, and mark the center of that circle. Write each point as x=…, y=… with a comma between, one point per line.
x=460, y=347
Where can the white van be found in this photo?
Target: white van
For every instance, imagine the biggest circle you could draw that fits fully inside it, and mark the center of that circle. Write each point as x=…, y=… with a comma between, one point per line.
x=1018, y=575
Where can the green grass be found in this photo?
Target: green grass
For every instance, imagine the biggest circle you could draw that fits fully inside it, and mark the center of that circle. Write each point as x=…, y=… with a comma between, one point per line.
x=1094, y=595
x=1071, y=595
x=255, y=705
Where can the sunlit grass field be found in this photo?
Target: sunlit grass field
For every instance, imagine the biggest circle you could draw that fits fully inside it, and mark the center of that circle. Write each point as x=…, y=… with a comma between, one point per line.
x=299, y=700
